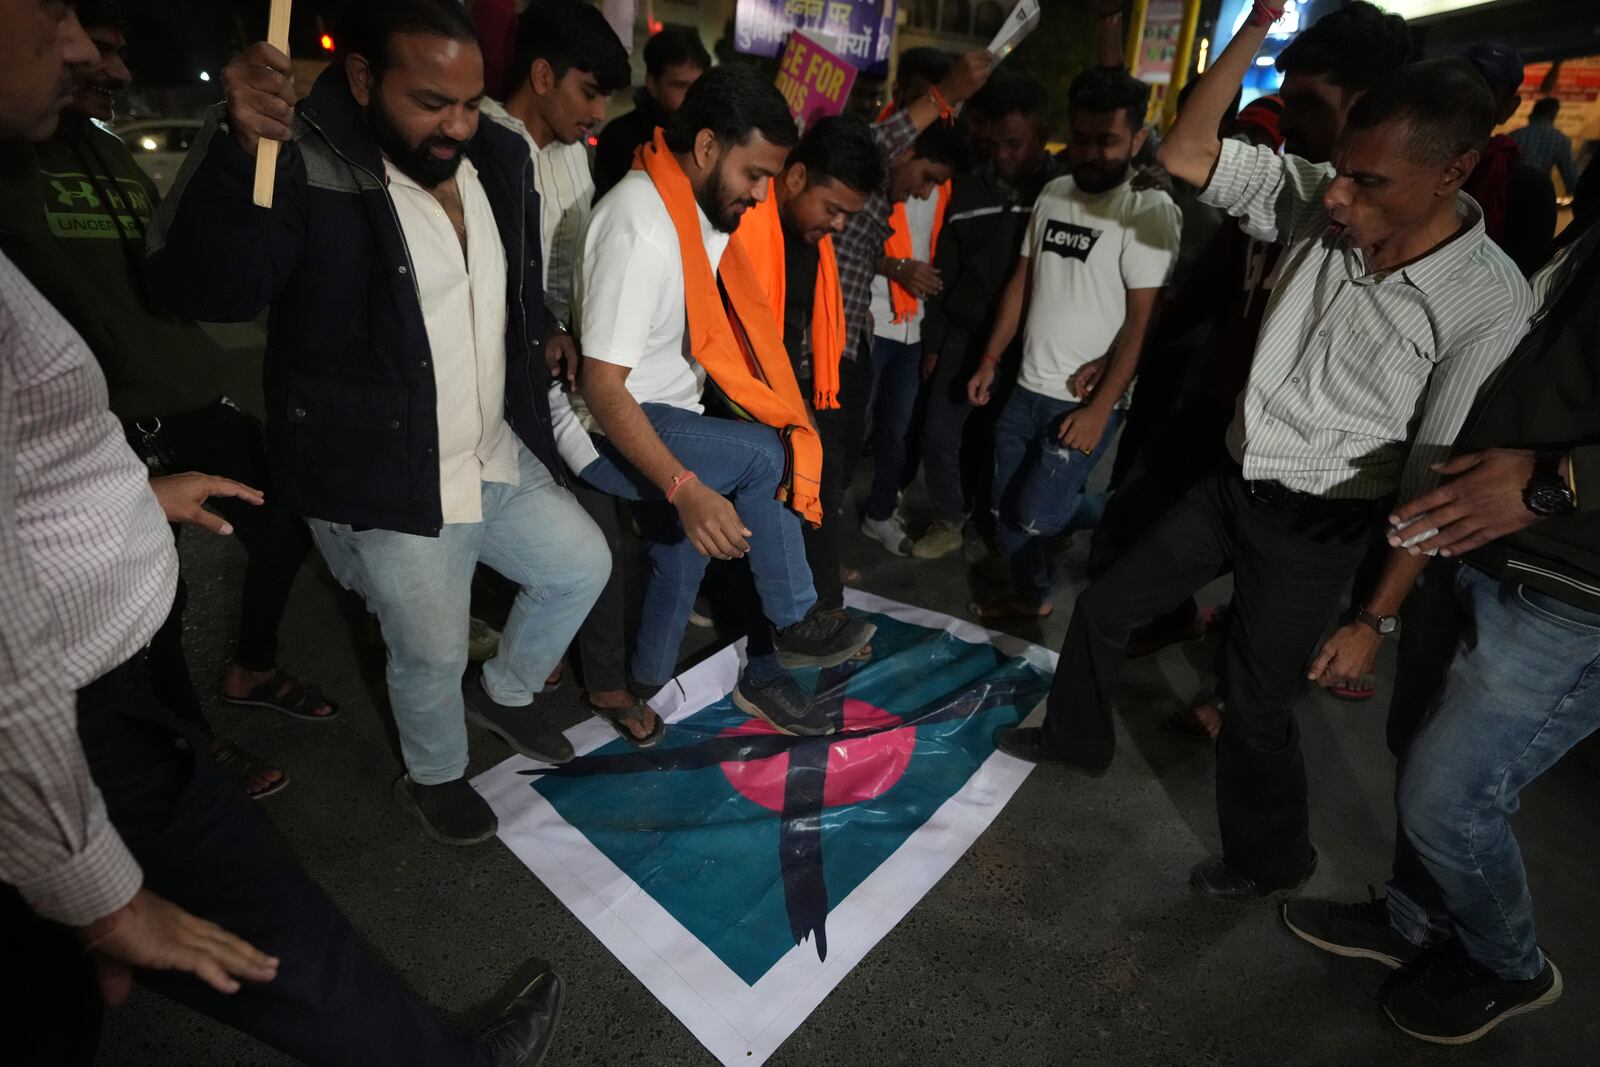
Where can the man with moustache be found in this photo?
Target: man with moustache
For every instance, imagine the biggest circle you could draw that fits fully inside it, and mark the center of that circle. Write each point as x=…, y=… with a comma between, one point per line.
x=667, y=306
x=1391, y=309
x=407, y=418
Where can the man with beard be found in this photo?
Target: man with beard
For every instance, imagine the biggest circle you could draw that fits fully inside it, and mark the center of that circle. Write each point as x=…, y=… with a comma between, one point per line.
x=1095, y=258
x=124, y=852
x=674, y=60
x=978, y=250
x=666, y=303
x=406, y=412
x=73, y=214
x=1391, y=310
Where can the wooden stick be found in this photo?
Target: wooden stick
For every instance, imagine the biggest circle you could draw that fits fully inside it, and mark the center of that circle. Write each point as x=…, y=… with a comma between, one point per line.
x=267, y=150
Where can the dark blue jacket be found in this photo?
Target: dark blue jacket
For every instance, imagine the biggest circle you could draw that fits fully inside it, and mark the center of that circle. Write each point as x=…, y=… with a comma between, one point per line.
x=352, y=425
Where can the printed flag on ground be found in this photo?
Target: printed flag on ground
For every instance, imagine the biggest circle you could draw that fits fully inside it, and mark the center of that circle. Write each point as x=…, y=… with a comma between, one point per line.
x=739, y=873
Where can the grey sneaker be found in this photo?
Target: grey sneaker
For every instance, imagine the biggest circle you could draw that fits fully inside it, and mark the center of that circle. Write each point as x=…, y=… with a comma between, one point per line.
x=826, y=637
x=524, y=729
x=1358, y=931
x=483, y=640
x=785, y=705
x=942, y=538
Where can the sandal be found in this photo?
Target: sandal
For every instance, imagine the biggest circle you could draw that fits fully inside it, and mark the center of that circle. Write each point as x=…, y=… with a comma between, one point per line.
x=1353, y=690
x=1009, y=609
x=243, y=768
x=286, y=693
x=1191, y=723
x=619, y=718
x=554, y=680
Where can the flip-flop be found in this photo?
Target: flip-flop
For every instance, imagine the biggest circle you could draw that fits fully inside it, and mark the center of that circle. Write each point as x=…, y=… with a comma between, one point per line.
x=619, y=718
x=1006, y=609
x=556, y=677
x=299, y=700
x=241, y=766
x=1353, y=691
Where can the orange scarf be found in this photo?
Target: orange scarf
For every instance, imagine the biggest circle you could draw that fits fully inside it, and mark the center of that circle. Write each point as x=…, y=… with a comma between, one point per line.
x=898, y=246
x=758, y=380
x=761, y=234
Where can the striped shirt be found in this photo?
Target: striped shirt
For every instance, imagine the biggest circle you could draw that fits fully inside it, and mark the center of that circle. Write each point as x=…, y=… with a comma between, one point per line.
x=87, y=575
x=859, y=247
x=1360, y=380
x=566, y=198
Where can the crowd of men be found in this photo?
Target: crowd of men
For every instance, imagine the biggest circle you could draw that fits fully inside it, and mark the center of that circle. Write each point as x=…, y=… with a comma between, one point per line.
x=1310, y=319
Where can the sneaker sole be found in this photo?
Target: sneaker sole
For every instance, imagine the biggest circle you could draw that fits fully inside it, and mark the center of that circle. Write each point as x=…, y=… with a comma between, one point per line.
x=749, y=708
x=1550, y=996
x=927, y=553
x=1351, y=952
x=521, y=749
x=794, y=660
x=407, y=802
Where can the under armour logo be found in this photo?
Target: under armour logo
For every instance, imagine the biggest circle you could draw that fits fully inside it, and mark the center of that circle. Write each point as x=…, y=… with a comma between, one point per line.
x=83, y=192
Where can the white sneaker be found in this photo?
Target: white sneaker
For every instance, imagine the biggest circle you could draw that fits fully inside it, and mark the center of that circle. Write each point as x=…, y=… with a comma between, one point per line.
x=890, y=533
x=942, y=538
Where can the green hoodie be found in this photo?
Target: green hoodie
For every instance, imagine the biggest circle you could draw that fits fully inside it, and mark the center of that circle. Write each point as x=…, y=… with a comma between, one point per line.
x=73, y=213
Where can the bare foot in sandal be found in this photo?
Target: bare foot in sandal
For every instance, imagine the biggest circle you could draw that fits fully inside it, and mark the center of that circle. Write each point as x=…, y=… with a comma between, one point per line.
x=1200, y=721
x=252, y=773
x=626, y=712
x=1009, y=609
x=276, y=689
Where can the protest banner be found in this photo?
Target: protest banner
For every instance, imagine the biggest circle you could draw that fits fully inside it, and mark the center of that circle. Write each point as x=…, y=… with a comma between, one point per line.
x=813, y=79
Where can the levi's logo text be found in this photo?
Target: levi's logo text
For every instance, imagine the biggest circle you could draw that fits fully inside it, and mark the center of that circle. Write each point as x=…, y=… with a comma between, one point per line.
x=1069, y=241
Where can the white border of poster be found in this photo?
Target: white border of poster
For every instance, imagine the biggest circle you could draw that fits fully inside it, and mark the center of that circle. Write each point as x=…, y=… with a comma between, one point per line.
x=739, y=1023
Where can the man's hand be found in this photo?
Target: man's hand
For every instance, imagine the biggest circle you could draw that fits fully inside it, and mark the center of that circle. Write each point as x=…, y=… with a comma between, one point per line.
x=1086, y=378
x=259, y=86
x=1351, y=652
x=183, y=497
x=711, y=521
x=1082, y=428
x=979, y=384
x=1480, y=500
x=930, y=363
x=920, y=279
x=967, y=76
x=153, y=933
x=561, y=357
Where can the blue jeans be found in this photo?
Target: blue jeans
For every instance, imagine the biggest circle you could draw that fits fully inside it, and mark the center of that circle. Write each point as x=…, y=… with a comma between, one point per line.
x=1038, y=484
x=898, y=370
x=741, y=460
x=420, y=588
x=1520, y=693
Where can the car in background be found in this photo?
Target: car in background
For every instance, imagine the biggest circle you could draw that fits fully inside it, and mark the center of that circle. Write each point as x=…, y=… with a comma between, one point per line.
x=160, y=145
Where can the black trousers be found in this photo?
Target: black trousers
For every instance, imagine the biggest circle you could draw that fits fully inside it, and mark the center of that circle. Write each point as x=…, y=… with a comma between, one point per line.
x=602, y=641
x=1290, y=559
x=203, y=846
x=220, y=439
x=842, y=430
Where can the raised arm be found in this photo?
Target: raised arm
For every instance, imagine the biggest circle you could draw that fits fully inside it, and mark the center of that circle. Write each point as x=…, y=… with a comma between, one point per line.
x=1190, y=149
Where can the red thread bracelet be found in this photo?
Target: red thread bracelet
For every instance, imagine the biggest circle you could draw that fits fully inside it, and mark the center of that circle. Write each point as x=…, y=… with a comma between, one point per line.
x=990, y=359
x=1264, y=15
x=682, y=479
x=946, y=112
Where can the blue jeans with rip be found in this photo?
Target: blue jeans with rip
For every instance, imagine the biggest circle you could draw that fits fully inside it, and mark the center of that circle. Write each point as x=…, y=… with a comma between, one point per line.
x=744, y=461
x=420, y=588
x=1522, y=691
x=1038, y=484
x=897, y=368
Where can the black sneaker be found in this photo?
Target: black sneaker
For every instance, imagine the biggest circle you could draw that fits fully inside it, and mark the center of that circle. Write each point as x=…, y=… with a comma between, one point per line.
x=1359, y=931
x=1449, y=999
x=784, y=704
x=826, y=637
x=1215, y=879
x=521, y=1036
x=524, y=729
x=1026, y=743
x=450, y=812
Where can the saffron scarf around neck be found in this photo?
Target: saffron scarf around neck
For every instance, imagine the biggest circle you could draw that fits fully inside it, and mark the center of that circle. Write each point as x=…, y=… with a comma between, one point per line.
x=898, y=246
x=761, y=234
x=758, y=381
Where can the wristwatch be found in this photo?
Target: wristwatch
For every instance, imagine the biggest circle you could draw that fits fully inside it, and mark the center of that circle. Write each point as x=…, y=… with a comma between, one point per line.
x=1547, y=492
x=1383, y=624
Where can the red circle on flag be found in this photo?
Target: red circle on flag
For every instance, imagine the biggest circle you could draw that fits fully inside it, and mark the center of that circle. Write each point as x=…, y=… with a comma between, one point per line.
x=859, y=768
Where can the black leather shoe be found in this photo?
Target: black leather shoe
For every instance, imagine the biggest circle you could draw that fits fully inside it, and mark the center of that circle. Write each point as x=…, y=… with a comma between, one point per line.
x=524, y=729
x=1215, y=880
x=1026, y=743
x=522, y=1034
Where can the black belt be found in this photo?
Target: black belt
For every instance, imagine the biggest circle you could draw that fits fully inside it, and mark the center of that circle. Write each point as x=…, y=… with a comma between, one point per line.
x=1278, y=495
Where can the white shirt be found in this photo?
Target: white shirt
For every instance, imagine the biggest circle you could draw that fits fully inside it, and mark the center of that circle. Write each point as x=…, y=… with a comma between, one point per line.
x=1360, y=381
x=464, y=311
x=920, y=213
x=1088, y=250
x=630, y=300
x=566, y=198
x=87, y=575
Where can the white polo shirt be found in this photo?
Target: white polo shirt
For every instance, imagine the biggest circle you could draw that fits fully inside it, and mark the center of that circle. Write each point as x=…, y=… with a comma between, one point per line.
x=630, y=307
x=464, y=311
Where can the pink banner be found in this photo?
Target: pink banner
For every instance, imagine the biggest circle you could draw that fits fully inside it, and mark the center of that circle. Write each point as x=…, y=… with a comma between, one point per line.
x=814, y=80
